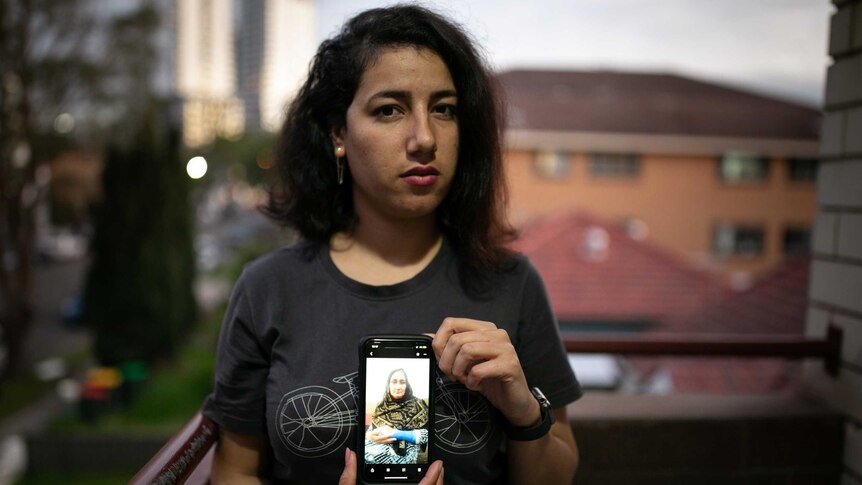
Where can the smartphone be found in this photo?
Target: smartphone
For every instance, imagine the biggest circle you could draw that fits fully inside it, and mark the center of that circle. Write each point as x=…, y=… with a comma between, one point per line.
x=396, y=408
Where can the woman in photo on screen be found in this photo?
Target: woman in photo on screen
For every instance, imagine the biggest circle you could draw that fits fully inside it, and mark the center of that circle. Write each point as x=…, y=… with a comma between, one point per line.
x=399, y=425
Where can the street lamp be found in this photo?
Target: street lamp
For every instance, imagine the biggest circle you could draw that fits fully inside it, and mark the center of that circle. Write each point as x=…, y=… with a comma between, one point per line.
x=197, y=167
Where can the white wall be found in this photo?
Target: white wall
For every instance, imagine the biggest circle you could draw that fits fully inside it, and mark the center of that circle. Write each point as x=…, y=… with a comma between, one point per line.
x=836, y=278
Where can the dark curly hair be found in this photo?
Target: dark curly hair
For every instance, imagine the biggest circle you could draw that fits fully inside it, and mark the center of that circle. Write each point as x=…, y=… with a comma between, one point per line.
x=472, y=215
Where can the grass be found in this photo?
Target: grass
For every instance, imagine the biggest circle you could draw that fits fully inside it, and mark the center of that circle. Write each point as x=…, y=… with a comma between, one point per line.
x=171, y=395
x=24, y=389
x=19, y=392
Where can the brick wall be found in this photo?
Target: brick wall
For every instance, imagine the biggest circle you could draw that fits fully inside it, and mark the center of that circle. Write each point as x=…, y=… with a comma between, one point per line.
x=836, y=278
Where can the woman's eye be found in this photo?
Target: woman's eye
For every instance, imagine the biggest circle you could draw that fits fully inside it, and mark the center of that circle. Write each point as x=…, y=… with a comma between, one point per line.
x=389, y=111
x=446, y=110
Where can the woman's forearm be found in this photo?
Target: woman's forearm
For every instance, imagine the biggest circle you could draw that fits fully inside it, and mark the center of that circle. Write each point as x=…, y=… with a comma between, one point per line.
x=238, y=459
x=552, y=459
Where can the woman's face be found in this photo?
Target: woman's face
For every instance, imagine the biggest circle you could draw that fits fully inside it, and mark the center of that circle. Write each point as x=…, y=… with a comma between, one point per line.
x=401, y=135
x=397, y=385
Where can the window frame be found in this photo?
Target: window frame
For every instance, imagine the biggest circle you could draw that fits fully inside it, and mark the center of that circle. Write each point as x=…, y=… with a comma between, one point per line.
x=552, y=164
x=808, y=236
x=742, y=178
x=806, y=179
x=617, y=166
x=739, y=230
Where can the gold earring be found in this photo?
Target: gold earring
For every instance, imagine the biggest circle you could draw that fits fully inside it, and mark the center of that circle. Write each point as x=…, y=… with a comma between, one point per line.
x=339, y=164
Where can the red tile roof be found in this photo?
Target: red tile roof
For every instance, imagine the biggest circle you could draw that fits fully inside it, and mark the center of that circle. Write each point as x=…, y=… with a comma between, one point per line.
x=629, y=280
x=665, y=104
x=776, y=304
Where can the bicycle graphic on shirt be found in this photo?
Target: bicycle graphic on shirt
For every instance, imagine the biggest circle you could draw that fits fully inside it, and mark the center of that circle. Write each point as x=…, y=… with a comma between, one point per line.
x=314, y=421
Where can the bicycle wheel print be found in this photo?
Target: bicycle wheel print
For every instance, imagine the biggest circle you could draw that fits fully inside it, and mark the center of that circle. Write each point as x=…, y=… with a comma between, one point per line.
x=462, y=419
x=313, y=421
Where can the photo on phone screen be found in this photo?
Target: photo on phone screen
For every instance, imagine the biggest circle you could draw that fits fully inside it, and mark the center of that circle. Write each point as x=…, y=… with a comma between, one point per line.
x=396, y=415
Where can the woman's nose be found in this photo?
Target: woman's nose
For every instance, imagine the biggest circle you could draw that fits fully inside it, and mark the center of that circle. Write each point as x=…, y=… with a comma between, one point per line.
x=423, y=140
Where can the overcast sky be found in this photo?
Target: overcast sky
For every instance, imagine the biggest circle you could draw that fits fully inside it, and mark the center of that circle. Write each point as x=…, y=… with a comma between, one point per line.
x=771, y=46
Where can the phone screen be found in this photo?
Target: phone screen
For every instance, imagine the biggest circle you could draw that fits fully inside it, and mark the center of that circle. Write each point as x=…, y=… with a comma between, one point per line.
x=396, y=408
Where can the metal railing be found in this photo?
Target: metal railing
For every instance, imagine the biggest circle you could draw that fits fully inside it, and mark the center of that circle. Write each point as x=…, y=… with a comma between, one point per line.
x=788, y=347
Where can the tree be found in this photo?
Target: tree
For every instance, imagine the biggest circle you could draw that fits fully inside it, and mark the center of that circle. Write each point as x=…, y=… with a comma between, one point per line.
x=57, y=57
x=138, y=296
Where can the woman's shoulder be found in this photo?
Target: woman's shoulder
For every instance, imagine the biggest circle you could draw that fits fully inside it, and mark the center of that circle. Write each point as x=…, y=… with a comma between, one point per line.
x=294, y=259
x=518, y=268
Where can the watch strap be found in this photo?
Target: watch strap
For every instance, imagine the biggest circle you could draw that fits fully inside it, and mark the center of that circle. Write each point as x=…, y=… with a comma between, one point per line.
x=538, y=430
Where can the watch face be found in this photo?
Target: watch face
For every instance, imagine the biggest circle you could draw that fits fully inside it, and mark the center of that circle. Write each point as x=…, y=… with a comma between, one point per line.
x=543, y=401
x=545, y=404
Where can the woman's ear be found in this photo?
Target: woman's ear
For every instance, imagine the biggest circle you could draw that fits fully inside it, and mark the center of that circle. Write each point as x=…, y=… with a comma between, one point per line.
x=337, y=136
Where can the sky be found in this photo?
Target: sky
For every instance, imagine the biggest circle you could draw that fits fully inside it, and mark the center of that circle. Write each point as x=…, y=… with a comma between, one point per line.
x=775, y=47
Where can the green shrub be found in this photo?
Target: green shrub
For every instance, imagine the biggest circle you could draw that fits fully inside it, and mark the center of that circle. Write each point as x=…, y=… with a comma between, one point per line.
x=138, y=295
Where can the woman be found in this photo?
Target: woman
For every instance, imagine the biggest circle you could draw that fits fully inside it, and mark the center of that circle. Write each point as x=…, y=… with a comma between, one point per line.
x=391, y=168
x=399, y=426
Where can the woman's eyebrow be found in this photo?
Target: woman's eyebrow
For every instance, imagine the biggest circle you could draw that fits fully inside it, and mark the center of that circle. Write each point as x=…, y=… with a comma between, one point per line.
x=393, y=94
x=445, y=93
x=405, y=95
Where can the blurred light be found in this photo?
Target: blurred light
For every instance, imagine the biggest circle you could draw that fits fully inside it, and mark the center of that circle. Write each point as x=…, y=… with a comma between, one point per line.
x=12, y=83
x=69, y=390
x=50, y=369
x=29, y=195
x=43, y=175
x=595, y=244
x=636, y=229
x=265, y=161
x=64, y=123
x=21, y=155
x=197, y=167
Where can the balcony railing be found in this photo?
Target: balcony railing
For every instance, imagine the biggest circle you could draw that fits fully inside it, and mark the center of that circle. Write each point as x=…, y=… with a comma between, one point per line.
x=187, y=457
x=789, y=347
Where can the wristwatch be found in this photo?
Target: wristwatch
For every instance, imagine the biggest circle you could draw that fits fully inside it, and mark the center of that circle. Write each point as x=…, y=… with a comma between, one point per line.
x=537, y=430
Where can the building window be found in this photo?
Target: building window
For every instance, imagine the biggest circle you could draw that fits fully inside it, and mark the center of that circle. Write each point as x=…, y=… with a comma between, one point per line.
x=614, y=165
x=551, y=164
x=737, y=240
x=738, y=167
x=796, y=241
x=802, y=169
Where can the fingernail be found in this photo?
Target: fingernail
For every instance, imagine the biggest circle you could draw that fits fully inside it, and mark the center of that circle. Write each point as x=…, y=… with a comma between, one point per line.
x=346, y=456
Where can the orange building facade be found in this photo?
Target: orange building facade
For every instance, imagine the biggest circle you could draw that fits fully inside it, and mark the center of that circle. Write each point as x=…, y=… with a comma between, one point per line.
x=724, y=196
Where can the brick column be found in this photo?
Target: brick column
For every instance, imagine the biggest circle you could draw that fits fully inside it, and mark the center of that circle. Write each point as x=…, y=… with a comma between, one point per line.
x=836, y=273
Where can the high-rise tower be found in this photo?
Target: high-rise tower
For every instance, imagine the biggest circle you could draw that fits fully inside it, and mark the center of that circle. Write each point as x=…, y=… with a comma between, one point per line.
x=275, y=43
x=205, y=76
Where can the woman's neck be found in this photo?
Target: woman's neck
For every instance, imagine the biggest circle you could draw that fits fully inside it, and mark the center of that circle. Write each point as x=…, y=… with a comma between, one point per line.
x=381, y=252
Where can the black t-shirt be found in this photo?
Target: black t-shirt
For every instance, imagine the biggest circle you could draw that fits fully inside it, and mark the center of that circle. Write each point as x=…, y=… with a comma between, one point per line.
x=288, y=358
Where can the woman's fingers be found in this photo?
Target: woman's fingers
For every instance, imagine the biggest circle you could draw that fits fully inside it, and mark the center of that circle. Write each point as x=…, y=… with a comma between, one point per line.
x=434, y=474
x=478, y=361
x=453, y=326
x=381, y=435
x=482, y=357
x=468, y=342
x=348, y=476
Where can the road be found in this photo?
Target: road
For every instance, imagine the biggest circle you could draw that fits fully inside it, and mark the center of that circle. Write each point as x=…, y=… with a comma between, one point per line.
x=53, y=284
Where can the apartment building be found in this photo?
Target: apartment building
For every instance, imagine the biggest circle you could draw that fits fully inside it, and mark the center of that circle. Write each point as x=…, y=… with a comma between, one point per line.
x=723, y=177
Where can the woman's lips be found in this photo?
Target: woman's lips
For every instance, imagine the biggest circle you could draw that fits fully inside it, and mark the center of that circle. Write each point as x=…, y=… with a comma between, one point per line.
x=421, y=176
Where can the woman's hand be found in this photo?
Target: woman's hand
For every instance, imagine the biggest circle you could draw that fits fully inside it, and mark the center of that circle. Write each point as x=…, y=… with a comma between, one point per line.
x=434, y=476
x=481, y=356
x=380, y=434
